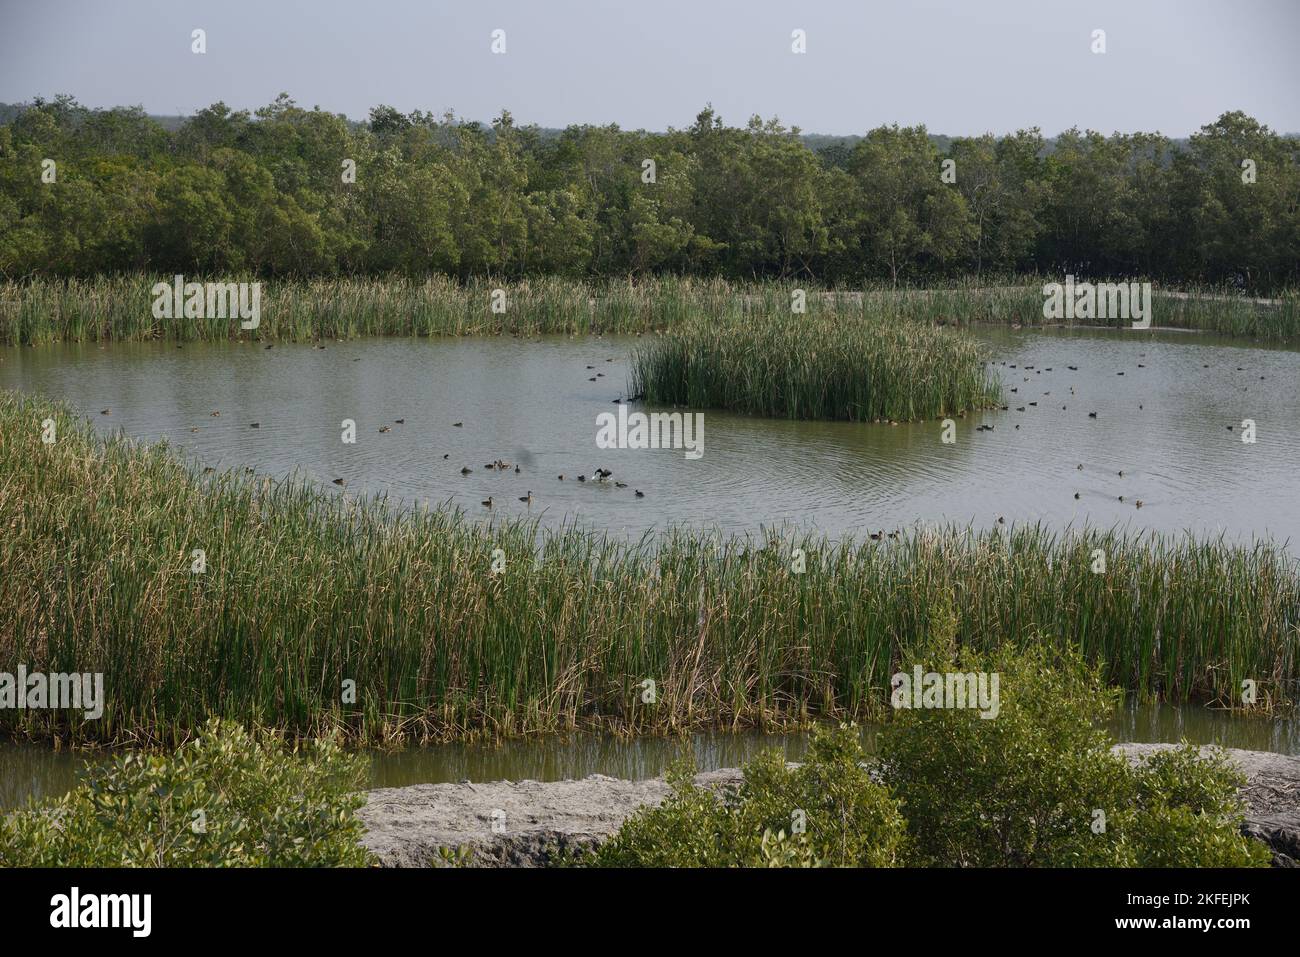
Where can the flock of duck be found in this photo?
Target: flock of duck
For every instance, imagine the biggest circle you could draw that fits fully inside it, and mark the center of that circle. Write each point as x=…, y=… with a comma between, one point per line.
x=602, y=475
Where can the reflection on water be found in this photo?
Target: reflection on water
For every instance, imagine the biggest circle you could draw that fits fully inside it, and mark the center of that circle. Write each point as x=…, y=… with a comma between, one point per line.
x=27, y=771
x=1163, y=423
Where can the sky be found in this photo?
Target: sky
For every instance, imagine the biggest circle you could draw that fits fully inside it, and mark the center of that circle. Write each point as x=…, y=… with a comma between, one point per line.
x=959, y=67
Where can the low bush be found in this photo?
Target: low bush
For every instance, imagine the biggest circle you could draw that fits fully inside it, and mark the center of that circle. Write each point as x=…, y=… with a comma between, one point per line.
x=225, y=799
x=825, y=812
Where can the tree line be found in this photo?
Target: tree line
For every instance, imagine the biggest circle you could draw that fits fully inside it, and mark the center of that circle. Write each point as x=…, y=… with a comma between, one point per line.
x=286, y=191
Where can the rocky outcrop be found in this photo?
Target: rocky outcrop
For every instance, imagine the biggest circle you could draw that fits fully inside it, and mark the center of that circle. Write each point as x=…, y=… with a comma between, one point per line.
x=531, y=824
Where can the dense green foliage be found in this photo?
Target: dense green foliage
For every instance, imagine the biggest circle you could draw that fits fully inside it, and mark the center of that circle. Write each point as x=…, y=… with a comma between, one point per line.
x=833, y=365
x=265, y=194
x=305, y=588
x=1035, y=786
x=825, y=812
x=224, y=799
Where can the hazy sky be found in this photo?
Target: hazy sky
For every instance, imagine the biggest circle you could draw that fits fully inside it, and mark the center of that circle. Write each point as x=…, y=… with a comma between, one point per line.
x=958, y=66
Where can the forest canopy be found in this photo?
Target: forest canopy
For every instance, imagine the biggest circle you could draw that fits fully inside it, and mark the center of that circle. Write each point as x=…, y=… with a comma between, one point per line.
x=267, y=193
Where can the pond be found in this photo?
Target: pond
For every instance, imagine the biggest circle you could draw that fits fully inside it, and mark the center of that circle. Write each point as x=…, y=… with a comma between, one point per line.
x=1160, y=436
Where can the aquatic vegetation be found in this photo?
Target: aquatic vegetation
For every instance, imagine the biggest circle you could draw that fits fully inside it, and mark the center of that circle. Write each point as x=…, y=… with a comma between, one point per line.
x=315, y=612
x=1039, y=787
x=226, y=798
x=833, y=365
x=120, y=307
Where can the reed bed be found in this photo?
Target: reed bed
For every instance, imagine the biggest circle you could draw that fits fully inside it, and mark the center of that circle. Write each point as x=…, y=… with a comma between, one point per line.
x=305, y=590
x=44, y=310
x=831, y=365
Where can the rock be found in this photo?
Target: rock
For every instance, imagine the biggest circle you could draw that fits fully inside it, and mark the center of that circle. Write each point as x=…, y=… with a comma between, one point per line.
x=540, y=823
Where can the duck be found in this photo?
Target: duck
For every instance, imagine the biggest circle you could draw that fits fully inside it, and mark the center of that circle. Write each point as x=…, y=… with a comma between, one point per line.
x=877, y=536
x=640, y=494
x=208, y=470
x=488, y=503
x=602, y=474
x=385, y=428
x=620, y=485
x=214, y=414
x=254, y=425
x=527, y=498
x=339, y=481
x=465, y=470
x=446, y=455
x=458, y=425
x=399, y=421
x=1076, y=495
x=105, y=411
x=1138, y=503
x=561, y=478
x=1092, y=415
x=582, y=478
x=516, y=469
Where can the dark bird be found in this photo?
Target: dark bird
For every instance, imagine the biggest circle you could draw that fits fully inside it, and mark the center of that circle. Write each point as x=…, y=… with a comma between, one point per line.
x=527, y=498
x=338, y=481
x=399, y=421
x=254, y=425
x=1076, y=494
x=208, y=470
x=1092, y=415
x=457, y=425
x=488, y=503
x=582, y=478
x=640, y=494
x=1138, y=503
x=447, y=455
x=561, y=478
x=105, y=411
x=465, y=470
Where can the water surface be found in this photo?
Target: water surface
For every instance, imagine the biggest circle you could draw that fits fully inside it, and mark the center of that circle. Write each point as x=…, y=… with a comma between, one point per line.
x=1163, y=423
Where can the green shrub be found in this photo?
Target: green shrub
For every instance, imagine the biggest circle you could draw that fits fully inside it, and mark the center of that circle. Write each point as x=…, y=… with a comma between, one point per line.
x=225, y=799
x=1038, y=785
x=825, y=812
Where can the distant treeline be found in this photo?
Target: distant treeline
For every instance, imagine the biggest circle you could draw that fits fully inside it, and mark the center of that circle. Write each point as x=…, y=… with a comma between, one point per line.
x=272, y=194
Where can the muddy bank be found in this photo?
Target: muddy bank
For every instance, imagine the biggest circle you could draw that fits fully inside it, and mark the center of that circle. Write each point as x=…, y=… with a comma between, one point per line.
x=527, y=823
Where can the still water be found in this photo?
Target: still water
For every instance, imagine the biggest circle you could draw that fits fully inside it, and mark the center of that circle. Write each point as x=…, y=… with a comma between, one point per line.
x=1163, y=423
x=28, y=771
